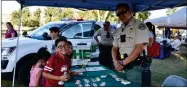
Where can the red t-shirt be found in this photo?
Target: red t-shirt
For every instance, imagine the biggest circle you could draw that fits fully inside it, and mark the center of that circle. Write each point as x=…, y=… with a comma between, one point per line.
x=54, y=66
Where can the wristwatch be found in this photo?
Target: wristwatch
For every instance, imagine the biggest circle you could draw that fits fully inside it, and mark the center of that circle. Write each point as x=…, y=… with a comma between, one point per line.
x=121, y=62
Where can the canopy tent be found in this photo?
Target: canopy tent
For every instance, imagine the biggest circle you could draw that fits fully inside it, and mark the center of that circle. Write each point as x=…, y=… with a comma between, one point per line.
x=175, y=20
x=110, y=5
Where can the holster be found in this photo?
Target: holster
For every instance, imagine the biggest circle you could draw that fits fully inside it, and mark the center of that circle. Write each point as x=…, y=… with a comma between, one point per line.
x=139, y=61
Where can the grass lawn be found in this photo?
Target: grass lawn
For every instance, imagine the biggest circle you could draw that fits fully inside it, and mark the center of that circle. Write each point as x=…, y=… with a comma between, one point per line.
x=161, y=69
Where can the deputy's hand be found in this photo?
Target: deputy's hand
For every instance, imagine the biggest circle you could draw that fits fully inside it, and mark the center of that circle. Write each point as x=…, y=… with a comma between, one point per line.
x=64, y=78
x=118, y=66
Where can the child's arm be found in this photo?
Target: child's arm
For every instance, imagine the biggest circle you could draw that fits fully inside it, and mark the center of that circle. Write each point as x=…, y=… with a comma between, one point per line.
x=38, y=78
x=50, y=76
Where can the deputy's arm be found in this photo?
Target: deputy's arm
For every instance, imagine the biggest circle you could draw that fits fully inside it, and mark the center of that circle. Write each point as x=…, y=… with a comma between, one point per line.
x=96, y=39
x=114, y=53
x=95, y=36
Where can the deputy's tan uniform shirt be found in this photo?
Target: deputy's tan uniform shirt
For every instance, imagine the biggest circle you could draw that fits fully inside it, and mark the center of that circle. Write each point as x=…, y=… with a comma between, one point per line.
x=104, y=40
x=136, y=32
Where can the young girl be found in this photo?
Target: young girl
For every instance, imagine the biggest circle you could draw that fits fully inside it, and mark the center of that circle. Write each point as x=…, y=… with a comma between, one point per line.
x=70, y=49
x=36, y=78
x=70, y=54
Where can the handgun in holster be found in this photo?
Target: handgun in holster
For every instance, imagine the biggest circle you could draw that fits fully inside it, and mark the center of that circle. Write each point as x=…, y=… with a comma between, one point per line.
x=143, y=60
x=122, y=57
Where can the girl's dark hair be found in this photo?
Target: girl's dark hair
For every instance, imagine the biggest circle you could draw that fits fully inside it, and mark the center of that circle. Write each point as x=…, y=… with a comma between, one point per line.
x=151, y=27
x=10, y=24
x=43, y=53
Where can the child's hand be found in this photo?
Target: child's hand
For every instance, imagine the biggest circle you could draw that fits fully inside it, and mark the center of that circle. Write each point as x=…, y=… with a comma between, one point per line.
x=64, y=78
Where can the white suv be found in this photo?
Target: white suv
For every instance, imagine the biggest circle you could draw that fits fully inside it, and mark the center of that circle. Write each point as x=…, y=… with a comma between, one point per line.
x=80, y=33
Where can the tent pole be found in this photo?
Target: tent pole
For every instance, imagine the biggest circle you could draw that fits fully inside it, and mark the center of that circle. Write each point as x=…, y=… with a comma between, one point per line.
x=19, y=30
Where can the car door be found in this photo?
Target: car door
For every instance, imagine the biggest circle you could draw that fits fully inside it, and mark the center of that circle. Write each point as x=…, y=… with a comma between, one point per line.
x=80, y=34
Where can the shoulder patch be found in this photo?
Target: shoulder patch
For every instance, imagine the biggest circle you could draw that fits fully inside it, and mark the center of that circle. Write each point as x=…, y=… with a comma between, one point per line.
x=141, y=26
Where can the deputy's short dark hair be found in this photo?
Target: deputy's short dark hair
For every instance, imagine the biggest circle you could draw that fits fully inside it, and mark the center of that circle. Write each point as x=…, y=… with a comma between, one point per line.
x=59, y=40
x=122, y=5
x=54, y=29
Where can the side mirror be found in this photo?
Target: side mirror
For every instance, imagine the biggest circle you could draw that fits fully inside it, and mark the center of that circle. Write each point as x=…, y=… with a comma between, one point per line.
x=46, y=36
x=25, y=34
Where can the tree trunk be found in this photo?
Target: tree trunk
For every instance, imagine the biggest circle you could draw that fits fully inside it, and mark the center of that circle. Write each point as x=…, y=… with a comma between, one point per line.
x=98, y=16
x=106, y=16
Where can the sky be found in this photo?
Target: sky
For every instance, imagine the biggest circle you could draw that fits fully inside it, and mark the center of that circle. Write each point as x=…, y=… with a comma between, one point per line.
x=9, y=6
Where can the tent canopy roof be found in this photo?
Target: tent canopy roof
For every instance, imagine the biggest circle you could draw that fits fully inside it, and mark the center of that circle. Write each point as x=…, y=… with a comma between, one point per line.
x=110, y=5
x=175, y=20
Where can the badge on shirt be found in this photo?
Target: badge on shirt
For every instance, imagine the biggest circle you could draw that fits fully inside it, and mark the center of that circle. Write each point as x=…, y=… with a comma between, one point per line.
x=131, y=30
x=142, y=26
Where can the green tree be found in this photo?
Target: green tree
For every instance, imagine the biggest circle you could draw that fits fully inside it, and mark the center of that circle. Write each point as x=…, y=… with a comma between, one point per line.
x=67, y=13
x=14, y=17
x=111, y=17
x=88, y=15
x=170, y=11
x=25, y=16
x=142, y=16
x=36, y=18
x=48, y=14
x=54, y=14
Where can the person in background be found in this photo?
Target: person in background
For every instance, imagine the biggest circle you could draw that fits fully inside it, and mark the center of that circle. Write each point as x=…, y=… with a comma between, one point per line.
x=70, y=54
x=105, y=45
x=152, y=34
x=152, y=47
x=57, y=65
x=168, y=33
x=54, y=33
x=70, y=49
x=10, y=32
x=175, y=44
x=36, y=78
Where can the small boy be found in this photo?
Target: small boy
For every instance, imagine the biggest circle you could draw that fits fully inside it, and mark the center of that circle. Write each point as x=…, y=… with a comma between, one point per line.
x=54, y=68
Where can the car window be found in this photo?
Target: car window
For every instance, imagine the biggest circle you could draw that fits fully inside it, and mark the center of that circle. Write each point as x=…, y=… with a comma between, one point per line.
x=39, y=31
x=73, y=32
x=79, y=30
x=87, y=29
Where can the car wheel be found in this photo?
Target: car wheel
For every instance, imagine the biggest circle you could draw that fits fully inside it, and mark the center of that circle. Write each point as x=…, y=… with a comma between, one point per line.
x=24, y=75
x=24, y=68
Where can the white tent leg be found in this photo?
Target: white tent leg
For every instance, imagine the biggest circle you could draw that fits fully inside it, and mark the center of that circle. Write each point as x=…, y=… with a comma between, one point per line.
x=19, y=30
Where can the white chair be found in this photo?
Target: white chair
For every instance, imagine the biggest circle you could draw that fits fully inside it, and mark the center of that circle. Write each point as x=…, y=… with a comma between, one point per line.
x=174, y=81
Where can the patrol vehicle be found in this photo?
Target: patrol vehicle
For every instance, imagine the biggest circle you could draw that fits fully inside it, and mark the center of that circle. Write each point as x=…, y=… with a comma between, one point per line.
x=80, y=33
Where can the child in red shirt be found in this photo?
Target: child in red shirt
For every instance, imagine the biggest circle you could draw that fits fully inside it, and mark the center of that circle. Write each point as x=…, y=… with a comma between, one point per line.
x=54, y=68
